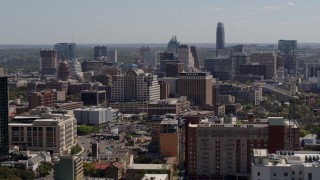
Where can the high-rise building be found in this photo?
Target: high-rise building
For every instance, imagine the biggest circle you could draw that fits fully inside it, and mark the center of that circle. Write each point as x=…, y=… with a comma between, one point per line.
x=220, y=37
x=173, y=45
x=135, y=85
x=68, y=167
x=219, y=147
x=4, y=117
x=100, y=51
x=169, y=138
x=195, y=56
x=142, y=51
x=173, y=68
x=48, y=62
x=66, y=50
x=197, y=86
x=44, y=98
x=268, y=59
x=113, y=56
x=288, y=52
x=185, y=55
x=220, y=67
x=63, y=71
x=237, y=59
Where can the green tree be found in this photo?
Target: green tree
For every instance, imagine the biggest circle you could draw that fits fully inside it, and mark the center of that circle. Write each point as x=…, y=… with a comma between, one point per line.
x=303, y=132
x=88, y=169
x=44, y=169
x=75, y=149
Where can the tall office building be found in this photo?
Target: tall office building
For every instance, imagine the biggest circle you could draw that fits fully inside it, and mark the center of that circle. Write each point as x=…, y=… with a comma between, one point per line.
x=197, y=86
x=100, y=51
x=66, y=50
x=219, y=37
x=268, y=59
x=4, y=139
x=173, y=45
x=195, y=56
x=220, y=67
x=288, y=52
x=48, y=62
x=135, y=85
x=113, y=56
x=185, y=55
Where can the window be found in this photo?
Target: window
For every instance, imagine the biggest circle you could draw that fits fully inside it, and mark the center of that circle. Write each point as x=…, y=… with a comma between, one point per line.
x=300, y=172
x=309, y=176
x=293, y=172
x=285, y=173
x=258, y=173
x=274, y=174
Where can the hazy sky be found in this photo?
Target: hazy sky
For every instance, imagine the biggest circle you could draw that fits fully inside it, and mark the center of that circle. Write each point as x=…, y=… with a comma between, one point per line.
x=155, y=21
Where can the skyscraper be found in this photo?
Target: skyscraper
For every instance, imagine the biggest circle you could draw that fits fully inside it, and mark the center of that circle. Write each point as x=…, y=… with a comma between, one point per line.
x=288, y=52
x=195, y=56
x=66, y=50
x=185, y=55
x=220, y=36
x=4, y=139
x=100, y=51
x=173, y=45
x=267, y=59
x=197, y=86
x=48, y=62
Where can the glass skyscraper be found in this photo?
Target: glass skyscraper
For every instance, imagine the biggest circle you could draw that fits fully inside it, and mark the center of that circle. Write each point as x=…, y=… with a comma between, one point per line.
x=288, y=52
x=4, y=141
x=220, y=36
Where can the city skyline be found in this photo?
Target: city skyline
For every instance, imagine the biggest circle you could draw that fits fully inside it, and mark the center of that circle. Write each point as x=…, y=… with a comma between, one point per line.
x=122, y=22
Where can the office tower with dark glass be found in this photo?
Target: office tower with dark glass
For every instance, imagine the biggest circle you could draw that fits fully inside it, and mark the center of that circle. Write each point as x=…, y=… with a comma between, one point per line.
x=220, y=37
x=4, y=140
x=66, y=50
x=288, y=52
x=173, y=45
x=100, y=51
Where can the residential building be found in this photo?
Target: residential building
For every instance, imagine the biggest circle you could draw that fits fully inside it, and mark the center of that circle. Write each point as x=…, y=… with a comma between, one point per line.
x=169, y=138
x=223, y=148
x=66, y=50
x=43, y=98
x=135, y=85
x=220, y=37
x=197, y=86
x=68, y=167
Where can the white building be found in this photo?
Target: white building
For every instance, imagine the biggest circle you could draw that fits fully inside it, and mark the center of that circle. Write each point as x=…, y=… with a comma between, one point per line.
x=135, y=85
x=51, y=132
x=95, y=116
x=185, y=55
x=285, y=165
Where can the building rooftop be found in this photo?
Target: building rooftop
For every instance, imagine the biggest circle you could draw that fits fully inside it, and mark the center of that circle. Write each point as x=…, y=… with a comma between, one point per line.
x=286, y=158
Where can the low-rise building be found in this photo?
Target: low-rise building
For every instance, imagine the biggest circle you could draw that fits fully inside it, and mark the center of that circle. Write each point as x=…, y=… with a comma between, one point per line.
x=95, y=116
x=285, y=165
x=51, y=132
